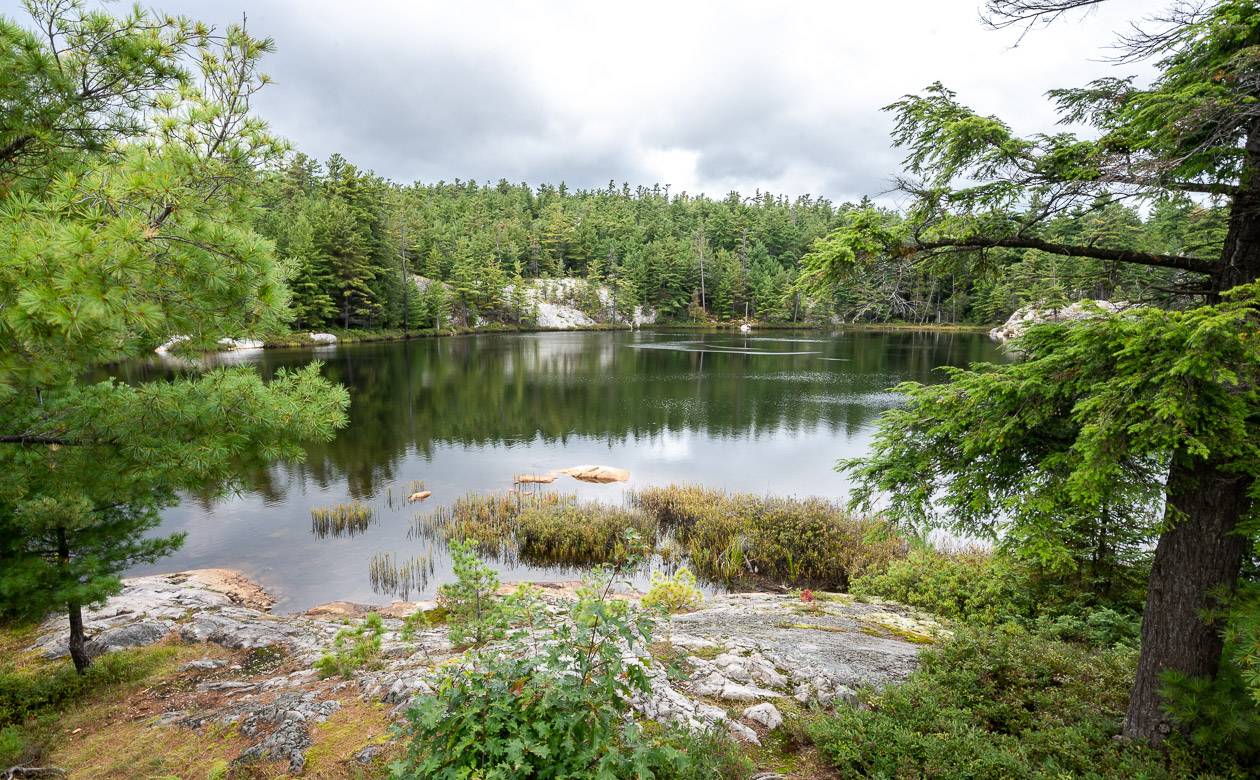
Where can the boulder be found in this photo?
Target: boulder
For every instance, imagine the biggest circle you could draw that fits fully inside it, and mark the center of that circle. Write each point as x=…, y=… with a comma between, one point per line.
x=535, y=479
x=766, y=715
x=598, y=474
x=1027, y=316
x=322, y=338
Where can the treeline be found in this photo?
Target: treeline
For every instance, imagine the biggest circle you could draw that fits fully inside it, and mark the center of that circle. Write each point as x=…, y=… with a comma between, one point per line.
x=355, y=240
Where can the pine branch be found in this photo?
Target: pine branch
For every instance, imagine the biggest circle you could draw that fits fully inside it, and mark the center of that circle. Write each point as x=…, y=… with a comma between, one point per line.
x=1193, y=264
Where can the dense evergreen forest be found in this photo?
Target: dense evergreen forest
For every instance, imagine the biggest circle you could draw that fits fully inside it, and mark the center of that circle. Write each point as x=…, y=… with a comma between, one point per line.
x=353, y=239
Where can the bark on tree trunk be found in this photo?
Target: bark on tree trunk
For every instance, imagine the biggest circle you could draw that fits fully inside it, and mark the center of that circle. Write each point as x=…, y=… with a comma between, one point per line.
x=78, y=642
x=1197, y=563
x=1199, y=556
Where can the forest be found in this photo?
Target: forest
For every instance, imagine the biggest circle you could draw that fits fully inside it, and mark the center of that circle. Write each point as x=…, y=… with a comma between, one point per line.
x=353, y=238
x=1046, y=561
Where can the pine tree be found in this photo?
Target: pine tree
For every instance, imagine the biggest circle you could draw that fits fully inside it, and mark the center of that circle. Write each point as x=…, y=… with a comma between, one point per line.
x=124, y=220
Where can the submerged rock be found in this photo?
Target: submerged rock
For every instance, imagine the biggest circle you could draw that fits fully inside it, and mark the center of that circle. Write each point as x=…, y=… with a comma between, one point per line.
x=535, y=479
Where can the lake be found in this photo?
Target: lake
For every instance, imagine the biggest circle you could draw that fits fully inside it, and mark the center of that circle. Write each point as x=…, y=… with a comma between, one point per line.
x=766, y=413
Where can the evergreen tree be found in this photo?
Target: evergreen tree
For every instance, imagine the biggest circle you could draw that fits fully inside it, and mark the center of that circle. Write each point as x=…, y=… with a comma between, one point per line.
x=1158, y=406
x=123, y=220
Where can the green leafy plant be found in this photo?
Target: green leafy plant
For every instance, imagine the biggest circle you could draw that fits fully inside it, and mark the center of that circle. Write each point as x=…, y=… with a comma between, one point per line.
x=737, y=537
x=353, y=648
x=1003, y=702
x=555, y=706
x=674, y=593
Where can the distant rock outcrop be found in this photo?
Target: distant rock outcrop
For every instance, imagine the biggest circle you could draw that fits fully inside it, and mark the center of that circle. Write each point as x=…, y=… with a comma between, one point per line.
x=1027, y=316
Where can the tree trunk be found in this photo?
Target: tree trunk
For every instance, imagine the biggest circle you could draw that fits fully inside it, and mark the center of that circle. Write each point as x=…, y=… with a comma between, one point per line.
x=78, y=642
x=1197, y=563
x=1200, y=554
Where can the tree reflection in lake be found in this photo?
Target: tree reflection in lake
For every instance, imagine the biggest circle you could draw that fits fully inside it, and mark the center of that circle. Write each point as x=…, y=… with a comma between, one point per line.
x=766, y=413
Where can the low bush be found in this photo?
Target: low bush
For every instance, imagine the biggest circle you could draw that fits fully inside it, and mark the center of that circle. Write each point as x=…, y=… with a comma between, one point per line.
x=28, y=692
x=32, y=697
x=978, y=587
x=556, y=708
x=1006, y=703
x=973, y=585
x=675, y=593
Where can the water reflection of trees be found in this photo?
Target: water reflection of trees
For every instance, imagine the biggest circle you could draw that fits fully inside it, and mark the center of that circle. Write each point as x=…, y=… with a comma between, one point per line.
x=504, y=389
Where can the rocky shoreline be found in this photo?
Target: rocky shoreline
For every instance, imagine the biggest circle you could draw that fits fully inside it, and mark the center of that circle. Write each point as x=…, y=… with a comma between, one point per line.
x=738, y=664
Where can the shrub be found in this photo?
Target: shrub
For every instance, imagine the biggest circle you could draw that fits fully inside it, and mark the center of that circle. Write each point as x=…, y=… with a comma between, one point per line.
x=473, y=613
x=676, y=593
x=580, y=534
x=353, y=648
x=973, y=586
x=1005, y=703
x=559, y=708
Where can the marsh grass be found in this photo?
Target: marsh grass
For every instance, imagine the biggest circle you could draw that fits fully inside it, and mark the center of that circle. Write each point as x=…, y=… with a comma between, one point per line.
x=582, y=534
x=489, y=520
x=739, y=538
x=341, y=519
x=400, y=578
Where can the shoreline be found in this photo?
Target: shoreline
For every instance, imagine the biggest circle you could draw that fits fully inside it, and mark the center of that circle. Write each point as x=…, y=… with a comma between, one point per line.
x=352, y=336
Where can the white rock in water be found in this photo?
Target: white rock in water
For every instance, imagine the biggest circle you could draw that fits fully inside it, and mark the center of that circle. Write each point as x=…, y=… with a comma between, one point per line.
x=322, y=338
x=1030, y=315
x=766, y=714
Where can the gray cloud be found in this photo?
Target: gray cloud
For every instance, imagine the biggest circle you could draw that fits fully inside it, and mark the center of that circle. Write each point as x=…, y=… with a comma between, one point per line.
x=705, y=96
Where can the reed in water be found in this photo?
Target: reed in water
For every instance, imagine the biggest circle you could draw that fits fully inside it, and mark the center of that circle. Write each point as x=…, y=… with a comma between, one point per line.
x=341, y=519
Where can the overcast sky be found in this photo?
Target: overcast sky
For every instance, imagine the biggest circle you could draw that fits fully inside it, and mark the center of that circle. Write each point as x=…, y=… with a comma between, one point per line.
x=704, y=96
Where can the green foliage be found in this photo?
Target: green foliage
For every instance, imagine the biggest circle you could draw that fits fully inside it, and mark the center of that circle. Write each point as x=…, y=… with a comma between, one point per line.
x=581, y=534
x=1063, y=449
x=125, y=215
x=474, y=613
x=971, y=586
x=555, y=708
x=1005, y=703
x=739, y=537
x=673, y=593
x=28, y=692
x=353, y=649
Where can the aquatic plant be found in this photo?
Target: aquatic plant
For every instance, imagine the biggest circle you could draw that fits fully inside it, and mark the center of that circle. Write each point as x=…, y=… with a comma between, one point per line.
x=487, y=520
x=399, y=578
x=583, y=534
x=400, y=498
x=734, y=538
x=341, y=519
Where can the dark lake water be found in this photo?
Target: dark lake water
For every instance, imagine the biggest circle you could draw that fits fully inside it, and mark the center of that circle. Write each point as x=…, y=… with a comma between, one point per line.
x=765, y=413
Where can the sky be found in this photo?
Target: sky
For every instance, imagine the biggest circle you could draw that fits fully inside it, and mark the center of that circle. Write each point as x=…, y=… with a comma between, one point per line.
x=703, y=96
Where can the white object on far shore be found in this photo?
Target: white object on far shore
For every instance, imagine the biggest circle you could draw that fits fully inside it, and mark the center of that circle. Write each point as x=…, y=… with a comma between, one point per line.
x=322, y=338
